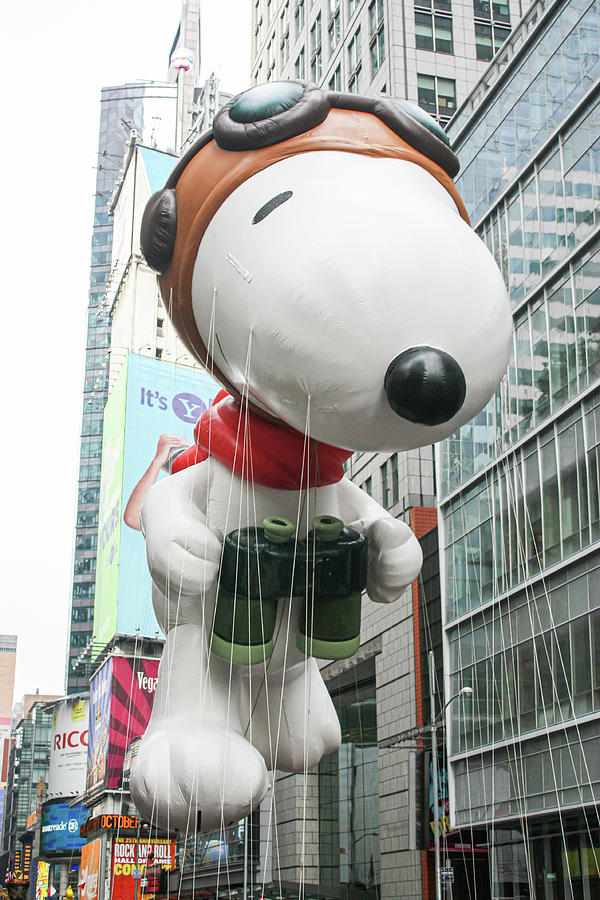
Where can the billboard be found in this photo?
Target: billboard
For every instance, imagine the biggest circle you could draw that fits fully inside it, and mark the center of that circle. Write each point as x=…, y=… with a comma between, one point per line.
x=60, y=827
x=41, y=881
x=149, y=398
x=129, y=854
x=68, y=749
x=121, y=699
x=98, y=724
x=89, y=870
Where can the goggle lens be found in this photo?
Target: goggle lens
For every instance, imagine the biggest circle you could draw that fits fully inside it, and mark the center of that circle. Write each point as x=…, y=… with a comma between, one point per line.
x=265, y=100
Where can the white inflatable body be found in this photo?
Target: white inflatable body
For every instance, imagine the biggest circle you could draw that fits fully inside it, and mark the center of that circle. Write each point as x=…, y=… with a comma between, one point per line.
x=202, y=751
x=303, y=312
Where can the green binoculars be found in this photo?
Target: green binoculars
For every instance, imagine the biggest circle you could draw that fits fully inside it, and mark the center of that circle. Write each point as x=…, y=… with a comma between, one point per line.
x=262, y=565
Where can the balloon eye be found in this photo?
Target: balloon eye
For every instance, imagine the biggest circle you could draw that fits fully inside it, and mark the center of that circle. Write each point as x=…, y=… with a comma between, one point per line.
x=424, y=119
x=272, y=204
x=266, y=100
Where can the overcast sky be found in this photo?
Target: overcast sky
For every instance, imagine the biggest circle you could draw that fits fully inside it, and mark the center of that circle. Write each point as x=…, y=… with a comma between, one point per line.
x=55, y=57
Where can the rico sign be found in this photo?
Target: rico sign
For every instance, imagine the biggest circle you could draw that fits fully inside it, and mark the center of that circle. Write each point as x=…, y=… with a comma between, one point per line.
x=72, y=739
x=68, y=754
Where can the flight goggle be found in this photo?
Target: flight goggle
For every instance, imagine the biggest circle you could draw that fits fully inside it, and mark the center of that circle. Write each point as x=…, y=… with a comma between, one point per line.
x=279, y=110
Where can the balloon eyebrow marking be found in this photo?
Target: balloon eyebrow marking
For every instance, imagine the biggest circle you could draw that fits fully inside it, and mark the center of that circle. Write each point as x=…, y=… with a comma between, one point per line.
x=272, y=204
x=239, y=268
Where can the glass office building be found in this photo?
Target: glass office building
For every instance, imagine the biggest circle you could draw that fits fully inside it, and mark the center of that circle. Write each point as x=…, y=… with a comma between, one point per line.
x=148, y=108
x=519, y=487
x=27, y=776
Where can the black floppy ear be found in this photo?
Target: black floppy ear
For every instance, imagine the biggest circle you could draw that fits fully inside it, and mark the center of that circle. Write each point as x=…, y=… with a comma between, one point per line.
x=159, y=228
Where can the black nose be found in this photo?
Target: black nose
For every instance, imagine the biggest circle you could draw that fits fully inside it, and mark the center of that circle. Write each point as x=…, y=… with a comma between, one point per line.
x=425, y=385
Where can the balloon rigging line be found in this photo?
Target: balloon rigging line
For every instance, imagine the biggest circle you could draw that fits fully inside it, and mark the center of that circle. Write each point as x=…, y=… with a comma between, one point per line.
x=243, y=418
x=566, y=676
x=511, y=763
x=538, y=674
x=548, y=659
x=567, y=679
x=272, y=820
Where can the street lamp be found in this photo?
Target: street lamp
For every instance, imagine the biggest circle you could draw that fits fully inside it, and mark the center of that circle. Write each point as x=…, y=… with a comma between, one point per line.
x=412, y=734
x=435, y=722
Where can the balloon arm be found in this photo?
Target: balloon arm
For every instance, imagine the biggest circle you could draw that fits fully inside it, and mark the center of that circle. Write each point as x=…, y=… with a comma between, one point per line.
x=183, y=553
x=395, y=555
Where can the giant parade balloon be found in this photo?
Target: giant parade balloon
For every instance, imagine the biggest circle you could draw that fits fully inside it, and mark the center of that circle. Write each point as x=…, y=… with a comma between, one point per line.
x=314, y=254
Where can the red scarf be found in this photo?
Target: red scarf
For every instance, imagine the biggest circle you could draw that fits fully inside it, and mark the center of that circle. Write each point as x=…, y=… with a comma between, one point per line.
x=273, y=455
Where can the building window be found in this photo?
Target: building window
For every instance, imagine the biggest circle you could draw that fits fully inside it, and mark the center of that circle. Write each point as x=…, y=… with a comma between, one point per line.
x=395, y=482
x=492, y=27
x=285, y=33
x=489, y=39
x=335, y=30
x=335, y=82
x=299, y=16
x=367, y=486
x=386, y=494
x=433, y=27
x=300, y=66
x=257, y=27
x=377, y=41
x=352, y=4
x=355, y=64
x=316, y=59
x=437, y=96
x=159, y=327
x=270, y=58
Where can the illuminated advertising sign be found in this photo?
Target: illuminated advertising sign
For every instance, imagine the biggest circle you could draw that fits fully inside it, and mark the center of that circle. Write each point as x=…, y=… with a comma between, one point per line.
x=121, y=699
x=110, y=822
x=60, y=827
x=149, y=856
x=150, y=398
x=27, y=860
x=41, y=882
x=89, y=870
x=98, y=724
x=68, y=749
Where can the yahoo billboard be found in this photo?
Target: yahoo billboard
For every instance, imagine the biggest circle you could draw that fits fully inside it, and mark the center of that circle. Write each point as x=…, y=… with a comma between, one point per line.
x=150, y=398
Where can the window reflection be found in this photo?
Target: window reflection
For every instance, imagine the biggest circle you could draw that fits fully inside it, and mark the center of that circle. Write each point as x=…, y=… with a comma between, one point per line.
x=349, y=790
x=548, y=84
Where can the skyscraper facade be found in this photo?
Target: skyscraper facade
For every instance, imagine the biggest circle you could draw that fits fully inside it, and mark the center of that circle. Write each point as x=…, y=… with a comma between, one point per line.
x=519, y=486
x=149, y=109
x=8, y=661
x=430, y=52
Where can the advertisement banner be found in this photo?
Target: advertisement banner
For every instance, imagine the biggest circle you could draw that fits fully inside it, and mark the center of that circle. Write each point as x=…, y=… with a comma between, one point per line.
x=109, y=512
x=132, y=697
x=150, y=398
x=60, y=827
x=89, y=870
x=41, y=882
x=68, y=750
x=442, y=799
x=98, y=725
x=149, y=857
x=121, y=699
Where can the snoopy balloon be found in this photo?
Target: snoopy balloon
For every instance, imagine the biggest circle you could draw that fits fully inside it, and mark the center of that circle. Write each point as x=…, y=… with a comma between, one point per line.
x=315, y=255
